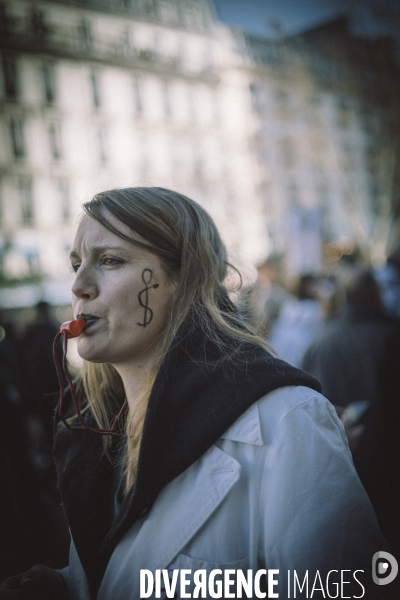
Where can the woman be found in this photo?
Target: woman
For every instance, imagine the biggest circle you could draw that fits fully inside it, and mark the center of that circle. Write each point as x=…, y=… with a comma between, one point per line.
x=231, y=459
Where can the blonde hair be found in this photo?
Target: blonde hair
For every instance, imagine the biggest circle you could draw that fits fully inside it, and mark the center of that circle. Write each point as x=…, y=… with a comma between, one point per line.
x=186, y=241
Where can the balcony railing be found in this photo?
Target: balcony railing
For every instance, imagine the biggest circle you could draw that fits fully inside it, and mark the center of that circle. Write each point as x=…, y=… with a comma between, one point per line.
x=18, y=35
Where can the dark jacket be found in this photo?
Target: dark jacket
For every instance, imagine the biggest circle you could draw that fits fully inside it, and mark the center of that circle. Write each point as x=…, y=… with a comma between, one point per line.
x=357, y=357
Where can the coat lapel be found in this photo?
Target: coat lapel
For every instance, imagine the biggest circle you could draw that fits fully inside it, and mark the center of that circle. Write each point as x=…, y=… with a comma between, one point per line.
x=160, y=540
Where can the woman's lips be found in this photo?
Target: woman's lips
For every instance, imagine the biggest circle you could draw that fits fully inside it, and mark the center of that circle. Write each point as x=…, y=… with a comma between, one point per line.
x=90, y=323
x=90, y=320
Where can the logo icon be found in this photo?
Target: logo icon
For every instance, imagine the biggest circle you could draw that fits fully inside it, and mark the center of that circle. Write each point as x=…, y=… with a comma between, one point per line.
x=384, y=568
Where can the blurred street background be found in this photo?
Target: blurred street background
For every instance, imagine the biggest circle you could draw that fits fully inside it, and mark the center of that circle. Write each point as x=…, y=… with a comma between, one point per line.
x=280, y=117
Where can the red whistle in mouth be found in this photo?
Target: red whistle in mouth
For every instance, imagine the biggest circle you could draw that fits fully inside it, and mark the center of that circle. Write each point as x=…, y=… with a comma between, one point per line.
x=68, y=330
x=73, y=328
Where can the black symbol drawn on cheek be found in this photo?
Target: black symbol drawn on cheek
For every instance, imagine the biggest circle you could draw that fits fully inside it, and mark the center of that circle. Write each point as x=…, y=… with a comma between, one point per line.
x=147, y=275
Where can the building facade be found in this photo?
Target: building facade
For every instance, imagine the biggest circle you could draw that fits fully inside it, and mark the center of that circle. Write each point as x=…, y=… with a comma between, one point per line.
x=98, y=94
x=327, y=141
x=292, y=145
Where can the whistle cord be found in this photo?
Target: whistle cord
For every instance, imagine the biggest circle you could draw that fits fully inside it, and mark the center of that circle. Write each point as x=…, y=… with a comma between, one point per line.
x=63, y=378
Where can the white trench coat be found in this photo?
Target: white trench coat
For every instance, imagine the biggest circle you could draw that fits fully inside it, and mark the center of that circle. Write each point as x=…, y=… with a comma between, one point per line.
x=277, y=491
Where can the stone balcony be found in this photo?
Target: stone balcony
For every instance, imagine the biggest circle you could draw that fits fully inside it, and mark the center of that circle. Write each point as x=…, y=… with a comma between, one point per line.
x=63, y=42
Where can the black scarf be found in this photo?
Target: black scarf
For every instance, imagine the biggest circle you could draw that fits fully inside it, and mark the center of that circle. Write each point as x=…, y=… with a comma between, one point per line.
x=197, y=395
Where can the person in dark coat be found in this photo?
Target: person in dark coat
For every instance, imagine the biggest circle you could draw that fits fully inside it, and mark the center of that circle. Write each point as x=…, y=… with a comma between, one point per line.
x=357, y=357
x=388, y=278
x=40, y=376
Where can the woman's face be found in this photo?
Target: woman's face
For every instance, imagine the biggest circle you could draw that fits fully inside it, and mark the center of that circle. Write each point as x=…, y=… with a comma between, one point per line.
x=121, y=290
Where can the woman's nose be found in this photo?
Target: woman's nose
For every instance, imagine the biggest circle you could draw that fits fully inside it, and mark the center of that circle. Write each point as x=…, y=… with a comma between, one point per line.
x=84, y=286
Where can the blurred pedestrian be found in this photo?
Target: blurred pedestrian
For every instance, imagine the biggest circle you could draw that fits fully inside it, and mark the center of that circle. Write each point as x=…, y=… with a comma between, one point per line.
x=40, y=378
x=14, y=464
x=34, y=521
x=357, y=358
x=261, y=303
x=298, y=321
x=388, y=278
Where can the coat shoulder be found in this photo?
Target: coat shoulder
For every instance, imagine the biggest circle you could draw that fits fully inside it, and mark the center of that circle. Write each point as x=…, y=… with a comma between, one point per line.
x=282, y=406
x=260, y=423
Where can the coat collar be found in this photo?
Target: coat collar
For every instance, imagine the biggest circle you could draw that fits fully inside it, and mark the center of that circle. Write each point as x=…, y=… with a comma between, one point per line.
x=197, y=397
x=246, y=429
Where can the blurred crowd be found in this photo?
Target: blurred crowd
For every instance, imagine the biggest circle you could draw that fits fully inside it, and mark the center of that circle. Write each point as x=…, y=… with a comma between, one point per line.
x=32, y=522
x=344, y=329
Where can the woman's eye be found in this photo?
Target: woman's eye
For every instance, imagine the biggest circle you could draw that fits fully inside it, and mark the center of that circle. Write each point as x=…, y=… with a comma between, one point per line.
x=75, y=267
x=109, y=261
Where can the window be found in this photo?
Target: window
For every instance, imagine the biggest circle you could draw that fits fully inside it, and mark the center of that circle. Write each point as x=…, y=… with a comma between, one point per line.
x=156, y=46
x=191, y=103
x=95, y=88
x=376, y=190
x=259, y=98
x=17, y=138
x=372, y=155
x=38, y=25
x=126, y=42
x=145, y=163
x=192, y=14
x=344, y=113
x=349, y=156
x=166, y=100
x=126, y=4
x=323, y=195
x=287, y=153
x=64, y=199
x=216, y=107
x=102, y=145
x=48, y=79
x=25, y=200
x=55, y=140
x=167, y=11
x=282, y=102
x=281, y=96
x=10, y=76
x=147, y=7
x=198, y=164
x=137, y=96
x=208, y=58
x=85, y=36
x=180, y=55
x=369, y=119
x=5, y=19
x=293, y=195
